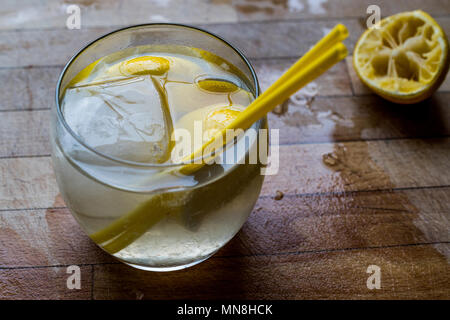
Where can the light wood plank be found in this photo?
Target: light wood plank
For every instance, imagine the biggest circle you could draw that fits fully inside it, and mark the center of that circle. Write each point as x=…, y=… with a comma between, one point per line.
x=263, y=10
x=45, y=238
x=307, y=120
x=28, y=183
x=415, y=272
x=54, y=47
x=29, y=14
x=373, y=165
x=44, y=47
x=24, y=133
x=43, y=284
x=28, y=88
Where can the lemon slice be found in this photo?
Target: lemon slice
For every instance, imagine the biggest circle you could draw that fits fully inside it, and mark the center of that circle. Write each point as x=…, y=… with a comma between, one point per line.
x=144, y=65
x=220, y=118
x=212, y=119
x=405, y=60
x=217, y=86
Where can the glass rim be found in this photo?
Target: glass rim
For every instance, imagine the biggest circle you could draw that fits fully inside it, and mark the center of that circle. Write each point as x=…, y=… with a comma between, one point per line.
x=128, y=162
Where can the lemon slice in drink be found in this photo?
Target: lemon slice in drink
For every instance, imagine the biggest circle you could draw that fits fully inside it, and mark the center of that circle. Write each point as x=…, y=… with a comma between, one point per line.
x=144, y=65
x=211, y=118
x=405, y=60
x=217, y=86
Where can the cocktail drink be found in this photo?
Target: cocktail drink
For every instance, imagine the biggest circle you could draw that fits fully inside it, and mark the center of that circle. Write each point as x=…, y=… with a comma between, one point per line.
x=130, y=107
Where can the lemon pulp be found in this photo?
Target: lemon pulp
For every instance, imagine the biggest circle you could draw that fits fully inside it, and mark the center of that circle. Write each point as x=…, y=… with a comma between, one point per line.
x=405, y=59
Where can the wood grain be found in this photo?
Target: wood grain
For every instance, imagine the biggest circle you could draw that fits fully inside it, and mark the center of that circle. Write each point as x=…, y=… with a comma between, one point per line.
x=54, y=47
x=360, y=118
x=412, y=272
x=263, y=10
x=292, y=225
x=52, y=13
x=45, y=238
x=16, y=141
x=28, y=88
x=28, y=183
x=349, y=221
x=43, y=284
x=372, y=165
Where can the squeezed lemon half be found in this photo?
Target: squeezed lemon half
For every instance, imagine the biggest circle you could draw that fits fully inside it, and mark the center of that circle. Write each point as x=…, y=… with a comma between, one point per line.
x=405, y=60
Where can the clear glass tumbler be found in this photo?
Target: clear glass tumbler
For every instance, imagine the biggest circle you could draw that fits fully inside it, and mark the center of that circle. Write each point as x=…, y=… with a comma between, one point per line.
x=136, y=212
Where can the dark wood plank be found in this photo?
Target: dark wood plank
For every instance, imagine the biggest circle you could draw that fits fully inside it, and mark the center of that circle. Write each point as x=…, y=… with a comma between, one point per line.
x=42, y=284
x=292, y=225
x=354, y=166
x=412, y=272
x=354, y=220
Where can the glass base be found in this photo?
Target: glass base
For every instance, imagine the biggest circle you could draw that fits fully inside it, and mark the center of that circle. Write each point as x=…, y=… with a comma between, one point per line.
x=165, y=269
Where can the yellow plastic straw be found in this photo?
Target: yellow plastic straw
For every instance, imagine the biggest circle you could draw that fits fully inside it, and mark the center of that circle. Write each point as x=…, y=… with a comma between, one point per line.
x=336, y=35
x=326, y=53
x=279, y=93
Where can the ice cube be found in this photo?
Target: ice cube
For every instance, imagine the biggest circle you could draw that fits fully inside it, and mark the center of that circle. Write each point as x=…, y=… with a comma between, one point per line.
x=127, y=118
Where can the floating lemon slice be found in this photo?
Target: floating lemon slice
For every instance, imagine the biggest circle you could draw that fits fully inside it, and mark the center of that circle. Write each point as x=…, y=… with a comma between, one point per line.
x=222, y=117
x=218, y=86
x=144, y=65
x=212, y=120
x=405, y=60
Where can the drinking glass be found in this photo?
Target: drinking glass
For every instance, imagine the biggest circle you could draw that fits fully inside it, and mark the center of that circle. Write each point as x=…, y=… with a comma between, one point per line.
x=135, y=211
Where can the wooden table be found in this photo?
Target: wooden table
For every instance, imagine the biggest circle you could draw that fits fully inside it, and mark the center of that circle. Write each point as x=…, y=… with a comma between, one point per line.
x=384, y=201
